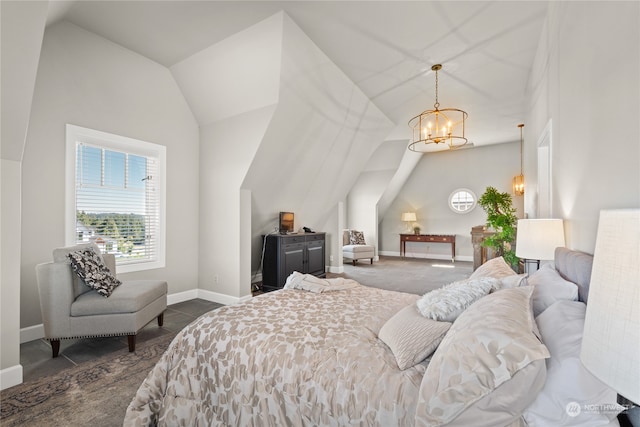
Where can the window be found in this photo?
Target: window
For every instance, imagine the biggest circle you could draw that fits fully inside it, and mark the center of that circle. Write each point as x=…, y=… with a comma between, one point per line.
x=462, y=200
x=115, y=197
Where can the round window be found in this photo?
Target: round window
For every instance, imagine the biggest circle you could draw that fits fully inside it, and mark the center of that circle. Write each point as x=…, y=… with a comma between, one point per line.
x=462, y=200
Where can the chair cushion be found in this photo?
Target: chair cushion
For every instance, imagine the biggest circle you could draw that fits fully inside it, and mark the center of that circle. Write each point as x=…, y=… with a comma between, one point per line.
x=130, y=297
x=357, y=248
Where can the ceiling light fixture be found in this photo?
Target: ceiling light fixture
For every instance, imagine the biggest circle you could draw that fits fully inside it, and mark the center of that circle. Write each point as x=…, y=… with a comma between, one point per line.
x=518, y=181
x=438, y=126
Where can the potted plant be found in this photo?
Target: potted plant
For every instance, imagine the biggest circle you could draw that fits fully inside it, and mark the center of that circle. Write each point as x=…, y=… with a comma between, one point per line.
x=416, y=230
x=501, y=217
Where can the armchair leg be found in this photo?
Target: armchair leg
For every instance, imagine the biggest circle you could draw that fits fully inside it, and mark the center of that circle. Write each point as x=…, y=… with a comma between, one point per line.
x=161, y=319
x=55, y=347
x=371, y=261
x=132, y=343
x=354, y=262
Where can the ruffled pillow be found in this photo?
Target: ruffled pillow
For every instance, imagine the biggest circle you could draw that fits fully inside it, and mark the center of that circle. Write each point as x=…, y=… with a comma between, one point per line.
x=89, y=267
x=447, y=303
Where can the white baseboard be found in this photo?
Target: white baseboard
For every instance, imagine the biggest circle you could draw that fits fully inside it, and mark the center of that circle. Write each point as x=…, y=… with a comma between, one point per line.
x=221, y=298
x=31, y=333
x=429, y=256
x=336, y=270
x=10, y=376
x=182, y=296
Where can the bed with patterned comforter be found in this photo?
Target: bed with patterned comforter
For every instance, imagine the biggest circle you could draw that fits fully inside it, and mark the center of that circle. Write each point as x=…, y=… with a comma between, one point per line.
x=355, y=355
x=237, y=365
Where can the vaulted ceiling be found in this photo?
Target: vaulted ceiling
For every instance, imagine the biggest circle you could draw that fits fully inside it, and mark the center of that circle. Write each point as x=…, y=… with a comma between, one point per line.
x=385, y=47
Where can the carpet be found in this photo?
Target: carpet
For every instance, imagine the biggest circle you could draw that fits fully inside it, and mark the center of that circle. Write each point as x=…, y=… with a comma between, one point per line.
x=92, y=394
x=411, y=275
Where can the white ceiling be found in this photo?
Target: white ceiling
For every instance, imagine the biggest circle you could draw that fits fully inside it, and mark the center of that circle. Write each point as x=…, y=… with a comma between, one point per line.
x=385, y=47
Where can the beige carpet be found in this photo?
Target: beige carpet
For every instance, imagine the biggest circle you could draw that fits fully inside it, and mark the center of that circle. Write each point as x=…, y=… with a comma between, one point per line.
x=411, y=275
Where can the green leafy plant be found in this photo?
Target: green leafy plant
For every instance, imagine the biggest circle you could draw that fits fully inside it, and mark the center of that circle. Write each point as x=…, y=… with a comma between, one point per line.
x=501, y=217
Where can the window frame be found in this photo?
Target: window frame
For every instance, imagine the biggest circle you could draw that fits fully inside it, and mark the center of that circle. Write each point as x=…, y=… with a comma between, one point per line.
x=119, y=143
x=465, y=190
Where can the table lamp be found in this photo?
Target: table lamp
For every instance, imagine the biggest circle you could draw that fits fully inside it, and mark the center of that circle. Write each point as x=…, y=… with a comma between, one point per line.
x=537, y=239
x=611, y=340
x=409, y=217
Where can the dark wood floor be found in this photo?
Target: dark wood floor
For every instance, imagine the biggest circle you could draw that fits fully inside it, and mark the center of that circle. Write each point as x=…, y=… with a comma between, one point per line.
x=36, y=360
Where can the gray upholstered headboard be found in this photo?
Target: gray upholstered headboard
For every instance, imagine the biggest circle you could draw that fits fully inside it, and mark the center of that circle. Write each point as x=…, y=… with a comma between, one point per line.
x=575, y=267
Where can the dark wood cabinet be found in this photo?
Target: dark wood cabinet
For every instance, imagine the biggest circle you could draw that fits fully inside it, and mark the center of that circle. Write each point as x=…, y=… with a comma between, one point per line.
x=286, y=253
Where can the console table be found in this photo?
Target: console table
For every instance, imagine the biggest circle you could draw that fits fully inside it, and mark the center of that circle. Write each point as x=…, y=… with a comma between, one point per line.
x=429, y=238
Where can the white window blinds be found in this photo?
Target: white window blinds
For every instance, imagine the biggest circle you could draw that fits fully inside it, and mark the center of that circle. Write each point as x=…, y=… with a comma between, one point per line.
x=118, y=202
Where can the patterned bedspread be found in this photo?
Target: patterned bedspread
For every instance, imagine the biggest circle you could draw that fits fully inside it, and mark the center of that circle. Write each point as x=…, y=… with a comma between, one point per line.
x=289, y=357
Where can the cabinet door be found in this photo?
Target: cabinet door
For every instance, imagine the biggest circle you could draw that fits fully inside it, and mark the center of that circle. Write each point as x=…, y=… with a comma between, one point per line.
x=292, y=259
x=315, y=258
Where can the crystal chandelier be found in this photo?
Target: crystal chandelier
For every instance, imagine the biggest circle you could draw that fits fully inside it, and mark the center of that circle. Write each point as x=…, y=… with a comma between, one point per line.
x=438, y=126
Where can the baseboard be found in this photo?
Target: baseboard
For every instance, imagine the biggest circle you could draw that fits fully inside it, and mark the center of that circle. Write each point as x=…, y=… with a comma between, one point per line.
x=31, y=333
x=334, y=269
x=182, y=296
x=10, y=376
x=221, y=298
x=429, y=256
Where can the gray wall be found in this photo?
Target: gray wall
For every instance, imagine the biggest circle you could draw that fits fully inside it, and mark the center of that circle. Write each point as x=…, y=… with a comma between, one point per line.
x=88, y=81
x=427, y=191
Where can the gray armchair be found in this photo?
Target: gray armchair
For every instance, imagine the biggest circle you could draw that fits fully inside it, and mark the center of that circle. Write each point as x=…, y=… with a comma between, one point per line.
x=70, y=309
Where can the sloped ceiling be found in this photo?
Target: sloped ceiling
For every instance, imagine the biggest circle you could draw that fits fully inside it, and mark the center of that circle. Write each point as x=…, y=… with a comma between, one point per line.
x=385, y=47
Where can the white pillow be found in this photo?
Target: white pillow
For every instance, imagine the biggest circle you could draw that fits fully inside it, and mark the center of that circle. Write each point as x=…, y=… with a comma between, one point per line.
x=488, y=368
x=495, y=267
x=411, y=336
x=447, y=303
x=549, y=287
x=514, y=281
x=568, y=381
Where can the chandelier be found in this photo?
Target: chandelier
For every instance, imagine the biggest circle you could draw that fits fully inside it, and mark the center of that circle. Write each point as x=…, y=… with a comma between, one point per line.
x=438, y=126
x=518, y=181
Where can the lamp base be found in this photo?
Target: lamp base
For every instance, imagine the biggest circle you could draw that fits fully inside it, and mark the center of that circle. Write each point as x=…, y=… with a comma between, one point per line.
x=530, y=261
x=631, y=416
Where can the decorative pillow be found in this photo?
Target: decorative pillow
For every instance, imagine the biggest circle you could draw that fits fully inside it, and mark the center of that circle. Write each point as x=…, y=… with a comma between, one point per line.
x=490, y=355
x=62, y=255
x=89, y=267
x=568, y=381
x=514, y=281
x=549, y=287
x=447, y=303
x=356, y=237
x=495, y=267
x=412, y=337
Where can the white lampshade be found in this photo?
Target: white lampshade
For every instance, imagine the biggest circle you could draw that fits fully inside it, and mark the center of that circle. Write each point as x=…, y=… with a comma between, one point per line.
x=611, y=340
x=539, y=238
x=409, y=216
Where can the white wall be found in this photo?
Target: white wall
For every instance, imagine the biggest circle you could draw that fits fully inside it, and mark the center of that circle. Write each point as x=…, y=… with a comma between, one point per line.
x=88, y=81
x=226, y=150
x=427, y=191
x=585, y=79
x=21, y=39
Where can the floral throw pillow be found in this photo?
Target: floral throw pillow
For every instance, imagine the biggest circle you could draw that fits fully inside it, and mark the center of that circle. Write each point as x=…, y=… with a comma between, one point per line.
x=90, y=268
x=356, y=237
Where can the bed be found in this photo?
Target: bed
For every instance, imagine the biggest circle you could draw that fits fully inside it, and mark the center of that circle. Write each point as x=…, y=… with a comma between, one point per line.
x=347, y=354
